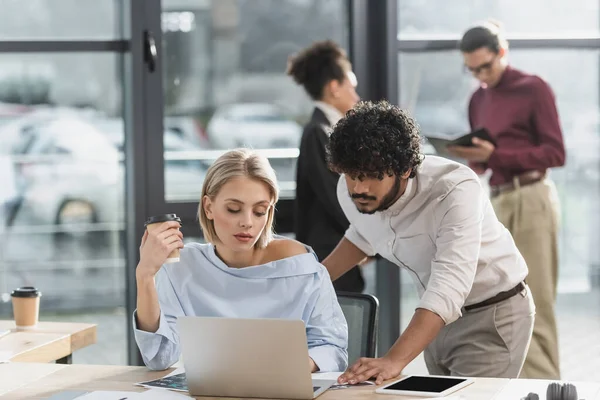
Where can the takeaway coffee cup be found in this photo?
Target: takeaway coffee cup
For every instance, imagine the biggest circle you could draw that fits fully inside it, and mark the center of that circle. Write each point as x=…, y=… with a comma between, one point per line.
x=26, y=306
x=154, y=222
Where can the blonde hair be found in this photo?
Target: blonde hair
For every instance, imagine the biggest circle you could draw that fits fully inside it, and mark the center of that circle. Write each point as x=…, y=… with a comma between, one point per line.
x=233, y=164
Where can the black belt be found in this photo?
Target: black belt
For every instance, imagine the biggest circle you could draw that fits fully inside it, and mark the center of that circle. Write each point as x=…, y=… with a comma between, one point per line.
x=498, y=298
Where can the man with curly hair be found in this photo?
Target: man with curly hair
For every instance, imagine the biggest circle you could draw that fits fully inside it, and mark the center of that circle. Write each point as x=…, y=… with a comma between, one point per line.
x=432, y=217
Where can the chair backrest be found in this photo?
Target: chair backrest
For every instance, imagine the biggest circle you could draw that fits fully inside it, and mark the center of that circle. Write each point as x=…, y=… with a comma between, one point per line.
x=362, y=315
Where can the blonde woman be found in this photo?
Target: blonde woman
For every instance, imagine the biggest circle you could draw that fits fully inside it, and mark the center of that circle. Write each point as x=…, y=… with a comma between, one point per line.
x=243, y=272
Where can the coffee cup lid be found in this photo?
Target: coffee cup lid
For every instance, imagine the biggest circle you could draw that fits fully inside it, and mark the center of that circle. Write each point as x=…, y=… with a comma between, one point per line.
x=26, y=291
x=163, y=218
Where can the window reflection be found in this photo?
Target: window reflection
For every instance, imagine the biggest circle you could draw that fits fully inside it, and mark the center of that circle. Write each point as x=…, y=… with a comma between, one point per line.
x=62, y=191
x=225, y=82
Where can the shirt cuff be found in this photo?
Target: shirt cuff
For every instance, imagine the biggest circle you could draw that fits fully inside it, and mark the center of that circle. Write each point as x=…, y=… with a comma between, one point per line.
x=149, y=342
x=441, y=305
x=494, y=161
x=329, y=358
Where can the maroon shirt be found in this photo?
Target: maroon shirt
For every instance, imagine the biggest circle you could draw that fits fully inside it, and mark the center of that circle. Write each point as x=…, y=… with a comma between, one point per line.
x=520, y=114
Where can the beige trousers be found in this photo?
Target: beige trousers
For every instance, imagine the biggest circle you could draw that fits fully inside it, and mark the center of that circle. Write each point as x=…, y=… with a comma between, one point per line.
x=490, y=341
x=531, y=214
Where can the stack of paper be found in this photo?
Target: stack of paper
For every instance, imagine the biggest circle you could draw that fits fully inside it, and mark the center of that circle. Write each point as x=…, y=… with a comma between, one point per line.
x=120, y=395
x=5, y=356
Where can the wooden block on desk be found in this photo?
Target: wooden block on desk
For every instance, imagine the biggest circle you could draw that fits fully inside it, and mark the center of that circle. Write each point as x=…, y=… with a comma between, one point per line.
x=81, y=334
x=24, y=346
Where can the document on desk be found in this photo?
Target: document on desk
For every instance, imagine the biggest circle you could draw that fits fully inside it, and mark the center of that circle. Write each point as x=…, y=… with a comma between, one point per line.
x=157, y=394
x=5, y=356
x=108, y=395
x=332, y=377
x=173, y=381
x=325, y=376
x=119, y=395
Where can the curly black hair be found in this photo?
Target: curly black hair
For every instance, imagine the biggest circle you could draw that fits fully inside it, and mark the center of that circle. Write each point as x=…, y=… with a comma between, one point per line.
x=317, y=65
x=374, y=140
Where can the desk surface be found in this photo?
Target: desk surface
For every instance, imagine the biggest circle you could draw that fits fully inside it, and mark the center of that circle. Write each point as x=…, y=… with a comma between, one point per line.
x=39, y=381
x=49, y=341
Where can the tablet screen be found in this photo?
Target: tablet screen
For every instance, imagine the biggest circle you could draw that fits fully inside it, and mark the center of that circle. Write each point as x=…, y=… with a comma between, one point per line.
x=425, y=384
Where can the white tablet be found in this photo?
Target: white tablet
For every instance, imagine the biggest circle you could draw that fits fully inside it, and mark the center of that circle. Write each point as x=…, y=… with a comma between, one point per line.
x=426, y=386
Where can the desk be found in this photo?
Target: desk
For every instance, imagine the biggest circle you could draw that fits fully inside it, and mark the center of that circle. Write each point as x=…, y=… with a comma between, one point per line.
x=49, y=341
x=39, y=381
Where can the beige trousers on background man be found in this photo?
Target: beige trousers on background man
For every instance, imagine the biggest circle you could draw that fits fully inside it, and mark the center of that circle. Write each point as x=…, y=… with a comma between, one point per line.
x=531, y=214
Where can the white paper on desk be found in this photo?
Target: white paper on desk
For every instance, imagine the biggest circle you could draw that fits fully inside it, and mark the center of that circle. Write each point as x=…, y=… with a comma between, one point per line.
x=331, y=377
x=326, y=376
x=158, y=394
x=109, y=395
x=519, y=388
x=5, y=356
x=176, y=372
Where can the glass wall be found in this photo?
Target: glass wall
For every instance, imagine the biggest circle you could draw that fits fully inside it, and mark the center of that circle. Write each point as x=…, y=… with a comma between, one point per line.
x=64, y=19
x=62, y=201
x=63, y=132
x=225, y=83
x=434, y=86
x=418, y=19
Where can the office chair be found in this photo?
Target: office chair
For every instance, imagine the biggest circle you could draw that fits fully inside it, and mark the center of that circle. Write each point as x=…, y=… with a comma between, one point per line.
x=362, y=315
x=557, y=391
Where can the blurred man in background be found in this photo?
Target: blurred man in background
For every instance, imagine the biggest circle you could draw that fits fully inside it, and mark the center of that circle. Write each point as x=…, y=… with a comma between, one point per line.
x=519, y=111
x=325, y=72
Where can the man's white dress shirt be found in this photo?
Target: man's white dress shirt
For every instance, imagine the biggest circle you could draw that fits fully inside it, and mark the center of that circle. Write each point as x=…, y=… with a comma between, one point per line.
x=444, y=231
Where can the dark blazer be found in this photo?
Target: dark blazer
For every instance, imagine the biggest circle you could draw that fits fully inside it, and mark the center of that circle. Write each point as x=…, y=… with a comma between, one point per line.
x=319, y=219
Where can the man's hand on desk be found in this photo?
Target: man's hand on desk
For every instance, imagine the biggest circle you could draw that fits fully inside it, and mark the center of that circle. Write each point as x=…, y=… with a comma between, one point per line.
x=480, y=152
x=380, y=368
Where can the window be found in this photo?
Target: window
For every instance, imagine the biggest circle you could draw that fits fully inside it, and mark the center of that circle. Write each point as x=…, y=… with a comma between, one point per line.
x=432, y=19
x=62, y=228
x=65, y=19
x=433, y=86
x=225, y=83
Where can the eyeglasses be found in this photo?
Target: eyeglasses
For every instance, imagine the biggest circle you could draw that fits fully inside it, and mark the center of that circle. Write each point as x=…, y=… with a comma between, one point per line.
x=483, y=67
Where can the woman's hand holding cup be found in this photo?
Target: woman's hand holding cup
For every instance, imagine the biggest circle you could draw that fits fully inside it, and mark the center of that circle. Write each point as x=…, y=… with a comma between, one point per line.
x=161, y=244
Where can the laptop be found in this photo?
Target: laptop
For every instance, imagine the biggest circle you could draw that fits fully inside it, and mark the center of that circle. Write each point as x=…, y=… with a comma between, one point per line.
x=233, y=357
